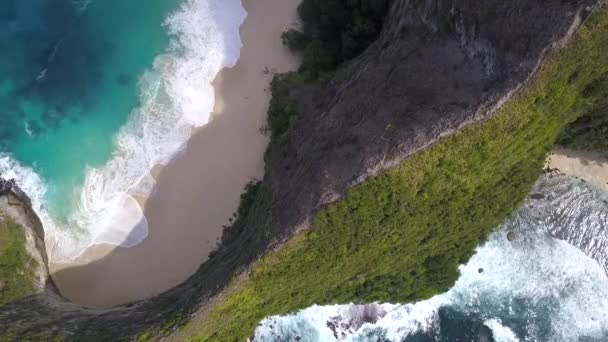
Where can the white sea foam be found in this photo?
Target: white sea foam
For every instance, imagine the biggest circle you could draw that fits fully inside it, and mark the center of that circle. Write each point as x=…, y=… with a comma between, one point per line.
x=543, y=287
x=500, y=332
x=176, y=96
x=560, y=285
x=27, y=179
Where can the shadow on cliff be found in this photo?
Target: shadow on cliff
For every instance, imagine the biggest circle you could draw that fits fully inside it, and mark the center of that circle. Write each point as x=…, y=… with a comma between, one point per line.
x=49, y=315
x=179, y=213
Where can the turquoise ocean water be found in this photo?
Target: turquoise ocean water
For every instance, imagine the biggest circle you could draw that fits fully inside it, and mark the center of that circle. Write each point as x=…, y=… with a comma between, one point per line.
x=68, y=82
x=94, y=93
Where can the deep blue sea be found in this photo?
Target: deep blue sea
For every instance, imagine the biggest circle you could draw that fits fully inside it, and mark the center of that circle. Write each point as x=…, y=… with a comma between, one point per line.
x=93, y=94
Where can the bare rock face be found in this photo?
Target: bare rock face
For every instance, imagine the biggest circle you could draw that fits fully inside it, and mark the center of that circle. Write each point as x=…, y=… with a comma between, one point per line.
x=574, y=211
x=437, y=66
x=15, y=204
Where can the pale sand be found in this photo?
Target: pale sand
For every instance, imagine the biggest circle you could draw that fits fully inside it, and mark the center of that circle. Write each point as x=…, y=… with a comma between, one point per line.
x=200, y=191
x=591, y=166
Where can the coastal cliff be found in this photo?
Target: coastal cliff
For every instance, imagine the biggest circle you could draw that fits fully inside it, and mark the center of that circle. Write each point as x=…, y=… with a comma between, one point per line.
x=437, y=67
x=22, y=242
x=388, y=140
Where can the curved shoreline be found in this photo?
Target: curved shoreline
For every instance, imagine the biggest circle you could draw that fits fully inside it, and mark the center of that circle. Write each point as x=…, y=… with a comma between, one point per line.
x=199, y=191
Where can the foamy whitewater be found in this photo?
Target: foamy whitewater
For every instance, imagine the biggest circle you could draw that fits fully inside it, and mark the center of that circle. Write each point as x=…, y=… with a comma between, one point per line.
x=176, y=95
x=536, y=288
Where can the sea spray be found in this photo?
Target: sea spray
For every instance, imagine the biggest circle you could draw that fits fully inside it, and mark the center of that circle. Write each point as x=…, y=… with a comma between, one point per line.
x=544, y=290
x=500, y=332
x=534, y=288
x=176, y=95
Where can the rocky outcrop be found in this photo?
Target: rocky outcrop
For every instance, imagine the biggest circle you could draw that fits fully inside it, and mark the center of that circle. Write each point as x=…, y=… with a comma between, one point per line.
x=570, y=209
x=438, y=66
x=15, y=204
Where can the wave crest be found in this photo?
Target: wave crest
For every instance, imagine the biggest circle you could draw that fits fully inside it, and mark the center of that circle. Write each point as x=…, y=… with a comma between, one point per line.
x=526, y=290
x=176, y=95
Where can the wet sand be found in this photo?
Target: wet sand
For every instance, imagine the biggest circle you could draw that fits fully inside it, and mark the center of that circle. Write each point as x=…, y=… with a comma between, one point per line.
x=591, y=166
x=198, y=193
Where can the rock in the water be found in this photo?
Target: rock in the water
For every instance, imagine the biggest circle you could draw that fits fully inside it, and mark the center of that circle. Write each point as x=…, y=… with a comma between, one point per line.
x=537, y=196
x=512, y=236
x=6, y=185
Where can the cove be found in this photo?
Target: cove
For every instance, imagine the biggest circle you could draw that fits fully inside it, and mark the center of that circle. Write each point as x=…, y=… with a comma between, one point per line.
x=69, y=82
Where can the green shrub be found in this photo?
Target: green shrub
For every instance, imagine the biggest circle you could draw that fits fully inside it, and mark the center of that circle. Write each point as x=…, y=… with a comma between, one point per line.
x=590, y=131
x=237, y=222
x=317, y=58
x=295, y=40
x=282, y=112
x=334, y=31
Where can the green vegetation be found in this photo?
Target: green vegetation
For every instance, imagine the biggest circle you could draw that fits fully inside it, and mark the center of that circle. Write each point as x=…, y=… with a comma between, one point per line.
x=334, y=31
x=238, y=221
x=590, y=131
x=16, y=265
x=282, y=112
x=399, y=237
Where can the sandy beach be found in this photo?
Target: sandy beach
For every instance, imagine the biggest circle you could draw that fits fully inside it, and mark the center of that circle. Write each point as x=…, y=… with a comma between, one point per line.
x=591, y=166
x=199, y=192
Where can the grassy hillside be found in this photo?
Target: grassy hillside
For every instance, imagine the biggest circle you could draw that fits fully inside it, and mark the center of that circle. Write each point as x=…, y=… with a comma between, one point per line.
x=400, y=237
x=16, y=265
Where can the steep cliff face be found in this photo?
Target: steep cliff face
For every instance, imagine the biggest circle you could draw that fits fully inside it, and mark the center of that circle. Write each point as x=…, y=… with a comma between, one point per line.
x=437, y=66
x=16, y=213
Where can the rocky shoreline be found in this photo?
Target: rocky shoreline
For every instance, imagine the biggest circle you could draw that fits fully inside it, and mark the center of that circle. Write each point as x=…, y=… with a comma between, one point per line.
x=444, y=64
x=574, y=210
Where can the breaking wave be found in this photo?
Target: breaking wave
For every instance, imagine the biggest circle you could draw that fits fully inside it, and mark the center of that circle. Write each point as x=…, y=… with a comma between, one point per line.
x=535, y=288
x=176, y=95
